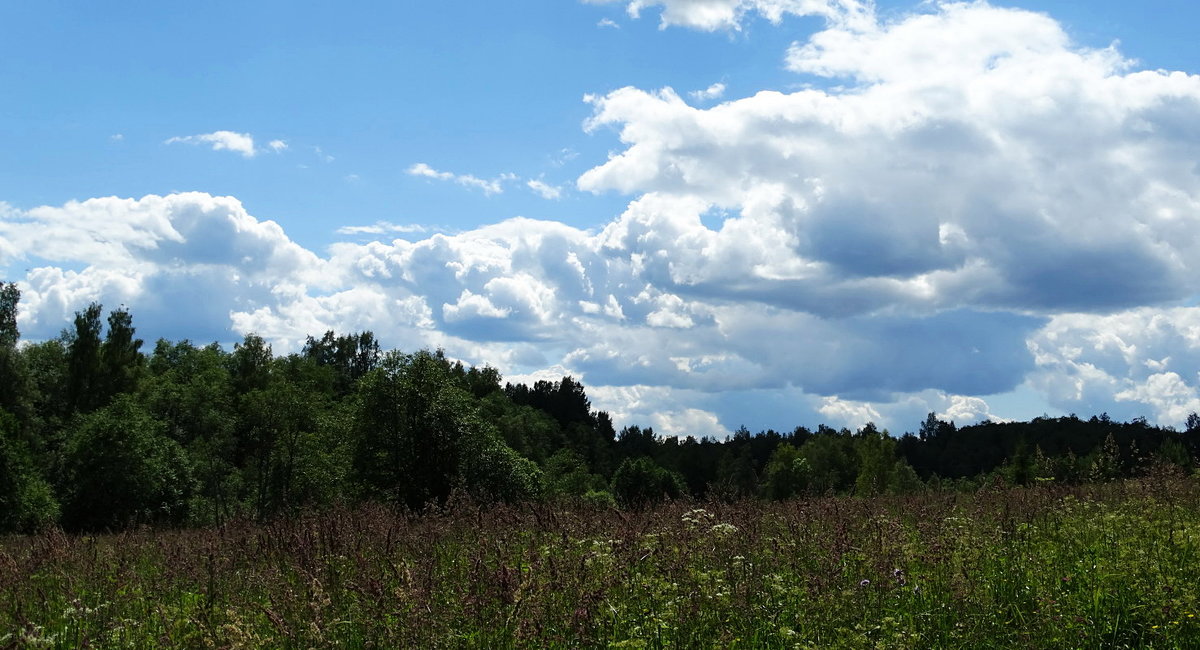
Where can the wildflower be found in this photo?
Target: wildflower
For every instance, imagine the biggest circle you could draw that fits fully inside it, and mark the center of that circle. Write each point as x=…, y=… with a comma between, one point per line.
x=723, y=530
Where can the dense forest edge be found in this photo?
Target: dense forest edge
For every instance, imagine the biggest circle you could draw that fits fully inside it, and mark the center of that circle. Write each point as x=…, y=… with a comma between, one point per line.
x=97, y=434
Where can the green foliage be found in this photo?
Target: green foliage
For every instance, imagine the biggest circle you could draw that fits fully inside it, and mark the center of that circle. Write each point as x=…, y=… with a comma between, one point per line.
x=786, y=474
x=598, y=499
x=639, y=482
x=10, y=295
x=121, y=468
x=189, y=390
x=880, y=470
x=120, y=358
x=566, y=476
x=832, y=462
x=419, y=435
x=492, y=471
x=85, y=376
x=350, y=357
x=1174, y=452
x=736, y=475
x=26, y=501
x=281, y=423
x=250, y=364
x=263, y=435
x=45, y=405
x=532, y=433
x=12, y=373
x=1021, y=468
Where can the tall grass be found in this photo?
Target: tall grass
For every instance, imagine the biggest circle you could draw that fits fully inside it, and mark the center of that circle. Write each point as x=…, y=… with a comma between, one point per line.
x=1104, y=566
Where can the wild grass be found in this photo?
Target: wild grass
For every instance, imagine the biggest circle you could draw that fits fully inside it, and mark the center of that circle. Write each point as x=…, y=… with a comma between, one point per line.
x=1106, y=566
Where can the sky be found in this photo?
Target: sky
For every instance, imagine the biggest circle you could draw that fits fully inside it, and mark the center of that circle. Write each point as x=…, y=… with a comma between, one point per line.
x=714, y=213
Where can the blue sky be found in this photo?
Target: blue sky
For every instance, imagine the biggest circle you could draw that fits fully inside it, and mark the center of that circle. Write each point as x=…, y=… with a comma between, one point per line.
x=979, y=210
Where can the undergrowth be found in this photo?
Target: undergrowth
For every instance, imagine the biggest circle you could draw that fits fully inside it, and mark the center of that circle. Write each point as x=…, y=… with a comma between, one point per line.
x=1106, y=566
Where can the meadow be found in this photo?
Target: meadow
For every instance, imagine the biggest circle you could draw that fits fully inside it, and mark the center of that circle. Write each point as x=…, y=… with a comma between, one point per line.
x=1101, y=566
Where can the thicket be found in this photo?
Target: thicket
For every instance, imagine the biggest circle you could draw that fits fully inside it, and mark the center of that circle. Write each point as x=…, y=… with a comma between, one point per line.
x=98, y=434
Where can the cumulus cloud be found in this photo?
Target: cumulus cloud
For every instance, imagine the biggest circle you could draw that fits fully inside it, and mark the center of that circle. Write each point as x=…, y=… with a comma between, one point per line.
x=965, y=160
x=1145, y=359
x=668, y=411
x=915, y=232
x=975, y=185
x=715, y=91
x=242, y=143
x=277, y=145
x=489, y=187
x=183, y=262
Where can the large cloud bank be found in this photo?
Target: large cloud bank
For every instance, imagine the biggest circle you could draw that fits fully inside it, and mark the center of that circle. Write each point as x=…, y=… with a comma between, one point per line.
x=962, y=202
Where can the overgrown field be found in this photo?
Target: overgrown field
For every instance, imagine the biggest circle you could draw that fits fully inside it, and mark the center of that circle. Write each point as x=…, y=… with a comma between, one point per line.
x=1114, y=565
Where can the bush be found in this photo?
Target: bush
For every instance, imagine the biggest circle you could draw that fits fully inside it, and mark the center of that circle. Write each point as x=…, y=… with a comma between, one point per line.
x=122, y=469
x=639, y=482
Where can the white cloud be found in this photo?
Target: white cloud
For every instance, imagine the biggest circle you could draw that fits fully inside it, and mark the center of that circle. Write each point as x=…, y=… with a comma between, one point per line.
x=967, y=410
x=548, y=192
x=916, y=237
x=715, y=91
x=609, y=23
x=918, y=189
x=181, y=262
x=848, y=413
x=242, y=143
x=1144, y=359
x=489, y=187
x=667, y=411
x=382, y=228
x=277, y=145
x=711, y=15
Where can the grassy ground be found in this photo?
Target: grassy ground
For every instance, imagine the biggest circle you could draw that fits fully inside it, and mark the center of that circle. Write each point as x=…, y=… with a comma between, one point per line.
x=1105, y=567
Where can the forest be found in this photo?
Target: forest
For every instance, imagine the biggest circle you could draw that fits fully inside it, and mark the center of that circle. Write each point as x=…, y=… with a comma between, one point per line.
x=99, y=432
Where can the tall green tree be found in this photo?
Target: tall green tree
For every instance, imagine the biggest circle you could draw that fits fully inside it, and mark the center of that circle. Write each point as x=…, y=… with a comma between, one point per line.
x=13, y=376
x=289, y=457
x=880, y=469
x=84, y=371
x=832, y=461
x=350, y=356
x=10, y=295
x=121, y=359
x=419, y=436
x=250, y=364
x=189, y=390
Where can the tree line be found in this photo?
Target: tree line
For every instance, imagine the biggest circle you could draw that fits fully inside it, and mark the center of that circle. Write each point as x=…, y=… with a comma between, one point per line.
x=98, y=433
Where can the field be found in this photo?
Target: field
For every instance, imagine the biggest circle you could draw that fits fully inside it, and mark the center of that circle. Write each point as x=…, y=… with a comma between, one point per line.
x=1104, y=566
